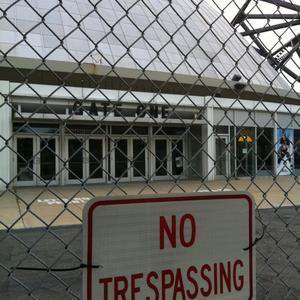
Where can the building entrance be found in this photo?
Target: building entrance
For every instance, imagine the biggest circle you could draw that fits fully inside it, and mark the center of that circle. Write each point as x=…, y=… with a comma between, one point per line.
x=129, y=158
x=95, y=159
x=36, y=160
x=85, y=160
x=168, y=158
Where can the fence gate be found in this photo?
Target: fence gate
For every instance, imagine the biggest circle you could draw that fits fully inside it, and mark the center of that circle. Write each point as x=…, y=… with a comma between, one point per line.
x=129, y=97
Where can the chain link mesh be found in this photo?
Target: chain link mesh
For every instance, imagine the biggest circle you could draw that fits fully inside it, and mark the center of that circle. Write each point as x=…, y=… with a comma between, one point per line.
x=135, y=97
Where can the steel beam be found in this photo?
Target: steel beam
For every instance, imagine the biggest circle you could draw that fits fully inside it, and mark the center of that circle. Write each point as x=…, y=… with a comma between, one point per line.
x=271, y=28
x=291, y=43
x=274, y=16
x=284, y=4
x=239, y=18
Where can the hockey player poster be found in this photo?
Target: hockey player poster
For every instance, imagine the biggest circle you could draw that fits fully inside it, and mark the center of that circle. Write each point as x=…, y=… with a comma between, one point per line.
x=284, y=149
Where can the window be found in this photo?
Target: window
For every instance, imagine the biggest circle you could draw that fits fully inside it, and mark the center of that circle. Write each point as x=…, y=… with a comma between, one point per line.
x=265, y=151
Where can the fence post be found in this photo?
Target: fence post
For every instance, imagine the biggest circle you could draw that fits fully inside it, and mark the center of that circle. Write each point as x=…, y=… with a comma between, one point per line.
x=5, y=134
x=275, y=142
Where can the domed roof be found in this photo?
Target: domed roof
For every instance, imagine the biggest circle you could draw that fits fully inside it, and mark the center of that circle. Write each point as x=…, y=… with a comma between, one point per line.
x=169, y=37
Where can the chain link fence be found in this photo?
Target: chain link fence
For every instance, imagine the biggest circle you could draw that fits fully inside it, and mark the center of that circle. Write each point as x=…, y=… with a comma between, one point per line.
x=116, y=97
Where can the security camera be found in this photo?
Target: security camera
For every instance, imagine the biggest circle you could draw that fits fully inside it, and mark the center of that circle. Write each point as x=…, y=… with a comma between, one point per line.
x=239, y=86
x=236, y=77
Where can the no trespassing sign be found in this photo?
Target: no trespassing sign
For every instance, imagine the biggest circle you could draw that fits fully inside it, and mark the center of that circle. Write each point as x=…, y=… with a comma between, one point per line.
x=161, y=247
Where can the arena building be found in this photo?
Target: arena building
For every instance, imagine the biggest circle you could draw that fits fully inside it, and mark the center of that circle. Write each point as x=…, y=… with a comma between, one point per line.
x=145, y=97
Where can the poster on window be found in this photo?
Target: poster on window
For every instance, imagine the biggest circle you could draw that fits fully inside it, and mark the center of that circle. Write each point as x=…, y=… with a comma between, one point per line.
x=284, y=150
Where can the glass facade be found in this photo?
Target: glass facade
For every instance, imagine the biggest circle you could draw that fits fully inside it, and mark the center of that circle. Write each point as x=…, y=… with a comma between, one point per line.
x=158, y=152
x=250, y=151
x=98, y=154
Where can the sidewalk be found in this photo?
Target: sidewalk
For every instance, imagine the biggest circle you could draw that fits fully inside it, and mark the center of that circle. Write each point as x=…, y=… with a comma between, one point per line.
x=37, y=206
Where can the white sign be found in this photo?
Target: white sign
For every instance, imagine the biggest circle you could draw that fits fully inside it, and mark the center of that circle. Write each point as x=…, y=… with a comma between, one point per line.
x=161, y=247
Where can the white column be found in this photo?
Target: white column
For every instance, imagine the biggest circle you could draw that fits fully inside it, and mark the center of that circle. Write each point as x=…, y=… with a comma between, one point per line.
x=208, y=139
x=5, y=134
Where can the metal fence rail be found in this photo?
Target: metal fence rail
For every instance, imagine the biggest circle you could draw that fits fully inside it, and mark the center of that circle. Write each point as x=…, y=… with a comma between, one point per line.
x=146, y=96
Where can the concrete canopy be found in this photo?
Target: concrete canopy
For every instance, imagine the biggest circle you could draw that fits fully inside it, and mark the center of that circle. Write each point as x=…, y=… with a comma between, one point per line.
x=146, y=45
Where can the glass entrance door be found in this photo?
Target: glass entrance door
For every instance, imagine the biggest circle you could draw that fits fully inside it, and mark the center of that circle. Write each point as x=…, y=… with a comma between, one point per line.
x=222, y=156
x=36, y=160
x=95, y=160
x=85, y=160
x=121, y=159
x=168, y=160
x=26, y=166
x=75, y=160
x=130, y=159
x=139, y=165
x=177, y=157
x=47, y=161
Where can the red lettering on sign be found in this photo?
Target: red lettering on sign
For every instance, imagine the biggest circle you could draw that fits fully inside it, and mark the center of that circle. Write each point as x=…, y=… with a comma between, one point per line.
x=183, y=220
x=225, y=275
x=192, y=280
x=207, y=292
x=216, y=279
x=179, y=286
x=171, y=233
x=238, y=285
x=105, y=282
x=167, y=281
x=164, y=229
x=120, y=290
x=134, y=289
x=151, y=285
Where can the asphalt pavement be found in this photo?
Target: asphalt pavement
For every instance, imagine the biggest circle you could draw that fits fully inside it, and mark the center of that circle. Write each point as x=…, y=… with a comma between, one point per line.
x=277, y=253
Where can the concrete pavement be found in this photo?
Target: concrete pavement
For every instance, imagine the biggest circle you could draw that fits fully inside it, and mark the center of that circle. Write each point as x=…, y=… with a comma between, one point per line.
x=27, y=207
